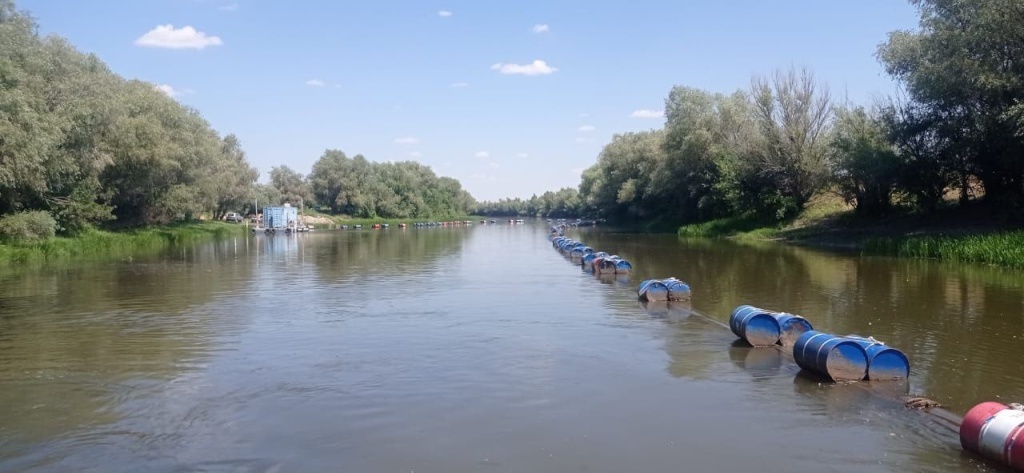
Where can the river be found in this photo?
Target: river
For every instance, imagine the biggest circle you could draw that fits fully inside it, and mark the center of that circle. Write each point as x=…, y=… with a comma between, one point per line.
x=481, y=348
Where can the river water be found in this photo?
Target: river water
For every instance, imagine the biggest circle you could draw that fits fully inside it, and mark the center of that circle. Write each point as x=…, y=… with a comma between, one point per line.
x=482, y=349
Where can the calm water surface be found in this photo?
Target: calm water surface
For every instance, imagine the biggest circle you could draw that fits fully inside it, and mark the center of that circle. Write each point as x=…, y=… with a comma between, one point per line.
x=482, y=349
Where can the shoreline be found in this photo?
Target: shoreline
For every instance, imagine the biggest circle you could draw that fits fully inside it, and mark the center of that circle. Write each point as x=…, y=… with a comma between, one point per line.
x=957, y=234
x=107, y=244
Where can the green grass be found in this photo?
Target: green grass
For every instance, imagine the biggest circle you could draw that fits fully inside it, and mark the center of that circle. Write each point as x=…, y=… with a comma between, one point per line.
x=1001, y=249
x=823, y=211
x=97, y=244
x=728, y=227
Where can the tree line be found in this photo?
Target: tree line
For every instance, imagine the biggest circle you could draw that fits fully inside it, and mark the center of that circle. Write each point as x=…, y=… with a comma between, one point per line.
x=407, y=189
x=956, y=129
x=82, y=147
x=362, y=188
x=559, y=204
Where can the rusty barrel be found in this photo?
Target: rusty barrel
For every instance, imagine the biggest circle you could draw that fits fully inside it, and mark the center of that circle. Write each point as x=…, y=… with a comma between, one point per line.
x=755, y=326
x=995, y=431
x=839, y=358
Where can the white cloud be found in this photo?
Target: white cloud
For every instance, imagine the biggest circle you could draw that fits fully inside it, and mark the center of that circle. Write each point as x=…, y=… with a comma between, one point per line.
x=523, y=155
x=166, y=89
x=229, y=7
x=444, y=13
x=415, y=154
x=315, y=83
x=482, y=154
x=171, y=91
x=541, y=28
x=187, y=37
x=535, y=68
x=647, y=113
x=407, y=140
x=460, y=85
x=587, y=128
x=493, y=164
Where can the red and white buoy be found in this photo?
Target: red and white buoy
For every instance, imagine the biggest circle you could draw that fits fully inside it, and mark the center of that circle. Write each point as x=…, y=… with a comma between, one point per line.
x=996, y=431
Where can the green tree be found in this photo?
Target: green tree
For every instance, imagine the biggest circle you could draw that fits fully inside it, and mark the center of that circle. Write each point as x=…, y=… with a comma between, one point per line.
x=293, y=186
x=792, y=112
x=963, y=72
x=863, y=160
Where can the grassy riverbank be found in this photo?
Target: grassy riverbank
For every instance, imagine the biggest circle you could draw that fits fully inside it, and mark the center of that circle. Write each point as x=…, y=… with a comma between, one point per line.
x=969, y=234
x=106, y=244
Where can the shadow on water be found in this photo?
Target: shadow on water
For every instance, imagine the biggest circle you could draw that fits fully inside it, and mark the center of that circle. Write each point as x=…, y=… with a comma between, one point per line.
x=670, y=311
x=759, y=362
x=962, y=326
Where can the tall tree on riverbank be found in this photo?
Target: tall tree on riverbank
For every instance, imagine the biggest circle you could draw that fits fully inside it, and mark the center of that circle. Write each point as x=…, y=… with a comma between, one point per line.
x=618, y=186
x=863, y=161
x=792, y=112
x=293, y=186
x=86, y=146
x=964, y=75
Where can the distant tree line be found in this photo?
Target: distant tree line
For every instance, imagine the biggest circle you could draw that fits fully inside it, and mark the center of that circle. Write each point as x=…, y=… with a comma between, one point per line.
x=957, y=129
x=361, y=188
x=82, y=147
x=561, y=204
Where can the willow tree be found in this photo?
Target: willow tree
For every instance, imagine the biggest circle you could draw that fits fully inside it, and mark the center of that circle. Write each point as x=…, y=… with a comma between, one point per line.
x=86, y=145
x=864, y=162
x=618, y=186
x=792, y=112
x=963, y=72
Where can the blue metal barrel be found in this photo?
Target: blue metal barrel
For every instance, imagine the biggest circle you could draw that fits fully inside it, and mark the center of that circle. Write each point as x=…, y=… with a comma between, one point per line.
x=652, y=290
x=587, y=250
x=755, y=326
x=884, y=362
x=623, y=267
x=601, y=254
x=577, y=252
x=588, y=261
x=791, y=327
x=839, y=358
x=677, y=290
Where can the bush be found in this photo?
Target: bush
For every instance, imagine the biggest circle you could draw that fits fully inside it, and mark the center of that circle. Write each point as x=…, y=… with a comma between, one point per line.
x=27, y=227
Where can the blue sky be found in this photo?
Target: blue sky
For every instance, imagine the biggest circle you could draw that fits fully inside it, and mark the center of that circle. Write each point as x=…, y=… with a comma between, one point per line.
x=456, y=84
